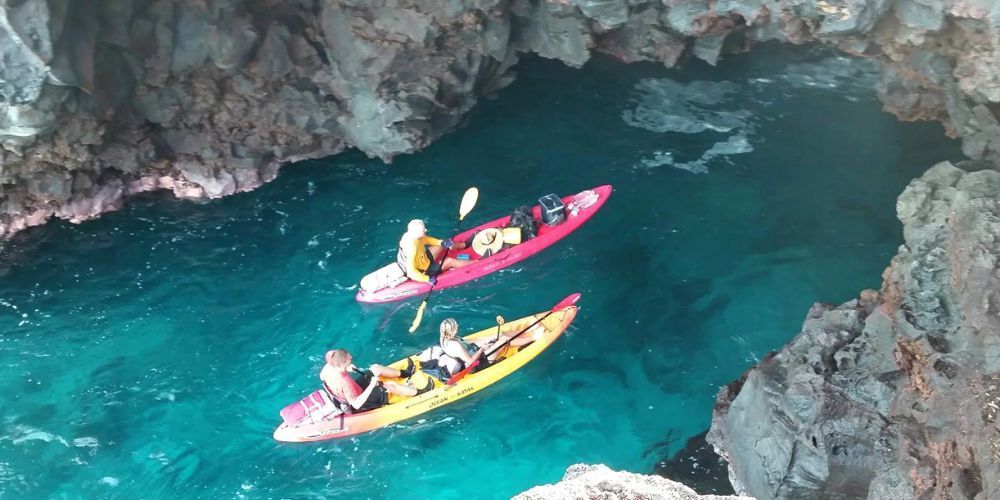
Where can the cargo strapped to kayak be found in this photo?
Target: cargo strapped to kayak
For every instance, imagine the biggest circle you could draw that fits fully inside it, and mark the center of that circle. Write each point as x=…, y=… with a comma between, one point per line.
x=523, y=219
x=386, y=277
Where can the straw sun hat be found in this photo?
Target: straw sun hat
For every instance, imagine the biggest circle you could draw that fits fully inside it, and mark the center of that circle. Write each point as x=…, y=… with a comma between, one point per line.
x=488, y=241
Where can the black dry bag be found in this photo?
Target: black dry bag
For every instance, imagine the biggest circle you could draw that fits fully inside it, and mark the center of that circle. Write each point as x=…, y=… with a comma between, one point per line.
x=523, y=219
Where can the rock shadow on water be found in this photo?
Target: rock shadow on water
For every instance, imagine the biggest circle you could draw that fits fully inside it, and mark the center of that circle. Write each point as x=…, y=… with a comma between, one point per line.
x=696, y=465
x=571, y=374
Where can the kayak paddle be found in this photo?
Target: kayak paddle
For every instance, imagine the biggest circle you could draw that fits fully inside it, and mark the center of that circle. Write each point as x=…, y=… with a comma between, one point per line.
x=563, y=304
x=500, y=322
x=469, y=200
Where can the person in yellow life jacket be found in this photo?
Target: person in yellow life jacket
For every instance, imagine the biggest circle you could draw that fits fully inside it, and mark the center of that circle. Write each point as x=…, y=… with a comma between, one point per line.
x=419, y=255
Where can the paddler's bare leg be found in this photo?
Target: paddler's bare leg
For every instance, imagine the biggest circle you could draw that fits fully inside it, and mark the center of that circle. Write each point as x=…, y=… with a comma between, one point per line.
x=387, y=372
x=399, y=389
x=449, y=262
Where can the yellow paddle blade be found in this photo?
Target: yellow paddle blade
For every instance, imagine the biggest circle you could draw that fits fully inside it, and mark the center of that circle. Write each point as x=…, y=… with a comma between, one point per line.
x=419, y=317
x=468, y=202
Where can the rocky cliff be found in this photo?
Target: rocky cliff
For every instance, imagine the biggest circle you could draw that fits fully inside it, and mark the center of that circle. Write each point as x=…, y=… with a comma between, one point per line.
x=895, y=394
x=600, y=482
x=208, y=97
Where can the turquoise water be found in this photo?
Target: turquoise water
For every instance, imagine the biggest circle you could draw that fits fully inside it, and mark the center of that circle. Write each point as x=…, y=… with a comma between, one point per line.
x=148, y=353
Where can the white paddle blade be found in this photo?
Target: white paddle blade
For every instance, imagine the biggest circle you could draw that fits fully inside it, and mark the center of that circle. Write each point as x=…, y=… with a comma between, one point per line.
x=468, y=202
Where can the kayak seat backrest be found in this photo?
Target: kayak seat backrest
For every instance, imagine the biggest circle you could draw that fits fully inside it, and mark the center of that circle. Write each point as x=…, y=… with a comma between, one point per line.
x=429, y=363
x=313, y=408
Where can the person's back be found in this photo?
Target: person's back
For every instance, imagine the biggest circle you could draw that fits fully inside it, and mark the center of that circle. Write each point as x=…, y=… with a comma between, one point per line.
x=339, y=384
x=452, y=353
x=414, y=257
x=423, y=257
x=456, y=353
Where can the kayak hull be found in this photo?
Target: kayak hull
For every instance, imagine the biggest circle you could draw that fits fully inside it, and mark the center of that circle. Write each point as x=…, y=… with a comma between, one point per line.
x=547, y=236
x=343, y=425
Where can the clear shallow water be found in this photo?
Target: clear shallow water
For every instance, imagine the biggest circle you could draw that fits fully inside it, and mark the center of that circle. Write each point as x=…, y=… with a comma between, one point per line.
x=148, y=353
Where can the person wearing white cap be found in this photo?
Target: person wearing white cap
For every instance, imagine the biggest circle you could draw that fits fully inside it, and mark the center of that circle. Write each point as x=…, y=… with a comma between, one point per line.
x=419, y=254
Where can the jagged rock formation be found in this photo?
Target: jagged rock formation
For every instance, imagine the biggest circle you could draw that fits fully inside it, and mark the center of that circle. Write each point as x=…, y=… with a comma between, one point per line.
x=895, y=394
x=598, y=481
x=206, y=98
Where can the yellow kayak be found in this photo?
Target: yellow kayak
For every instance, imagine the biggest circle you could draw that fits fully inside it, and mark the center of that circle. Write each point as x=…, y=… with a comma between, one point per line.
x=548, y=325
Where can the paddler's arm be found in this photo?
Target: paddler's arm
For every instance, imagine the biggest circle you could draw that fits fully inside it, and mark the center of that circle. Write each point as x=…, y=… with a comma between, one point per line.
x=359, y=401
x=462, y=353
x=430, y=240
x=457, y=245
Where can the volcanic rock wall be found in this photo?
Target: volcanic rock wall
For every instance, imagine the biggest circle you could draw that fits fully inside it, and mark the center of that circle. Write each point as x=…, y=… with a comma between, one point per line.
x=895, y=394
x=206, y=98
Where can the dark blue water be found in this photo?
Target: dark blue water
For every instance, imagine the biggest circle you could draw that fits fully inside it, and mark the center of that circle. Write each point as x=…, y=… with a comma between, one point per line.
x=148, y=353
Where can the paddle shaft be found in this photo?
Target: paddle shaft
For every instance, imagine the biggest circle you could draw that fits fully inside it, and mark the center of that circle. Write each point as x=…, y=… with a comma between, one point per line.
x=458, y=376
x=539, y=320
x=423, y=303
x=563, y=304
x=440, y=269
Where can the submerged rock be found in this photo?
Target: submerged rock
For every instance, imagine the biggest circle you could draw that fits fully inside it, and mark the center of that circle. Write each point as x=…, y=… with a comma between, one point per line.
x=698, y=467
x=598, y=481
x=208, y=98
x=894, y=394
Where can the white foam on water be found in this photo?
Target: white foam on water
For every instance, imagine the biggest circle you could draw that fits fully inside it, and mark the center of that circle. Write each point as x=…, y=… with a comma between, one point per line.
x=86, y=442
x=668, y=106
x=658, y=159
x=110, y=481
x=847, y=75
x=346, y=288
x=6, y=473
x=166, y=396
x=736, y=144
x=25, y=434
x=160, y=457
x=664, y=105
x=695, y=167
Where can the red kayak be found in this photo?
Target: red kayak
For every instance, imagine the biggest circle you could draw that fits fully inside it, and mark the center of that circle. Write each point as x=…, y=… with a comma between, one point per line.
x=392, y=284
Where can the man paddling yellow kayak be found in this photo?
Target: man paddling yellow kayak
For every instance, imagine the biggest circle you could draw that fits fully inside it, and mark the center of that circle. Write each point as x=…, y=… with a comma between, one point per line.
x=368, y=392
